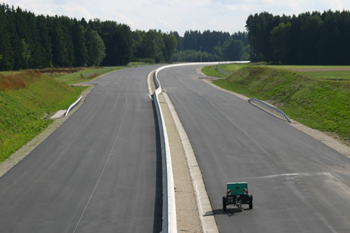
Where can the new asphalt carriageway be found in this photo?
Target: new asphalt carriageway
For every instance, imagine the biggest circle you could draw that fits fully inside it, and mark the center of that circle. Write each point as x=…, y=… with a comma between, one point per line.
x=298, y=184
x=100, y=171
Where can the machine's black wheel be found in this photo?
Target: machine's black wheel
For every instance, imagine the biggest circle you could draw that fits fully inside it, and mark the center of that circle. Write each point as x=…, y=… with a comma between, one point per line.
x=224, y=203
x=251, y=202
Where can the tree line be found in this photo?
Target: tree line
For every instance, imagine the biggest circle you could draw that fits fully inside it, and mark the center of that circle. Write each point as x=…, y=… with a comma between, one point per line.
x=30, y=41
x=306, y=39
x=211, y=46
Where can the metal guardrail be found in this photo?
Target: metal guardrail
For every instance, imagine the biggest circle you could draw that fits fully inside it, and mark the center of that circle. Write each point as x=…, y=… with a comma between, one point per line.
x=73, y=105
x=169, y=224
x=224, y=72
x=269, y=108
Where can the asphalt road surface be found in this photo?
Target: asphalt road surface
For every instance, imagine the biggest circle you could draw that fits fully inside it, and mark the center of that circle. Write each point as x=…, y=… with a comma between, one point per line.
x=298, y=183
x=98, y=172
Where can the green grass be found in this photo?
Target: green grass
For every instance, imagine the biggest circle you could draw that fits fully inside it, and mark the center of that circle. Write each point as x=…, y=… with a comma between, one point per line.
x=319, y=104
x=337, y=75
x=212, y=71
x=6, y=73
x=24, y=112
x=234, y=67
x=86, y=75
x=300, y=67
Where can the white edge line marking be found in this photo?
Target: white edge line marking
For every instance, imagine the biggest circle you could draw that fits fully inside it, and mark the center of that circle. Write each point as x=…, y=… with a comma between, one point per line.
x=104, y=167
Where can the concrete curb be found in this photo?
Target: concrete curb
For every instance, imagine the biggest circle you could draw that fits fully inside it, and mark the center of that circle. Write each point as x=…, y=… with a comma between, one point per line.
x=205, y=210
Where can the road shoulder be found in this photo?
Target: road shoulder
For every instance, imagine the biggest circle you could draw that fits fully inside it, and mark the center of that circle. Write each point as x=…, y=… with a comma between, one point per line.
x=20, y=154
x=333, y=143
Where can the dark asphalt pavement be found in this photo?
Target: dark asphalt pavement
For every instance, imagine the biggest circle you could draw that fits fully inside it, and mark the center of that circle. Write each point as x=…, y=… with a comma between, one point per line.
x=298, y=183
x=98, y=172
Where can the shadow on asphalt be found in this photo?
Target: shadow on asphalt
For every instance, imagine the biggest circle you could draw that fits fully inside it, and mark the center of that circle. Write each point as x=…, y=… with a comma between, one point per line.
x=229, y=211
x=157, y=224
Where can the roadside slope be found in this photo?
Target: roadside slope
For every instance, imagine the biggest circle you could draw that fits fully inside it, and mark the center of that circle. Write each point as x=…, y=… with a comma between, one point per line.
x=27, y=100
x=319, y=104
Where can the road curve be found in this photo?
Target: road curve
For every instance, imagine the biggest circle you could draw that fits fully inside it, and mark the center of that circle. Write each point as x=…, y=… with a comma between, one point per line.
x=98, y=172
x=298, y=183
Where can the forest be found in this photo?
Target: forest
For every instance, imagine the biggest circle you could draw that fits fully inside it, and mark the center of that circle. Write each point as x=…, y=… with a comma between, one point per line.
x=208, y=46
x=28, y=41
x=307, y=39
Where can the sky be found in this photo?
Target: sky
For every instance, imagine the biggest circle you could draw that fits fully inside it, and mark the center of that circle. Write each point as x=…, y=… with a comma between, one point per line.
x=176, y=15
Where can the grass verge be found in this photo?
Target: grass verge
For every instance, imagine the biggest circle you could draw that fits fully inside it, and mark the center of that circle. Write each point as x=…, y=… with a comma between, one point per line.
x=212, y=71
x=316, y=103
x=25, y=109
x=336, y=75
x=86, y=75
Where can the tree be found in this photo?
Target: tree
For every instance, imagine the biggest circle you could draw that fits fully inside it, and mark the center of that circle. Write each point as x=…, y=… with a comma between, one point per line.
x=6, y=53
x=78, y=37
x=44, y=55
x=170, y=44
x=95, y=48
x=59, y=47
x=234, y=51
x=279, y=39
x=23, y=62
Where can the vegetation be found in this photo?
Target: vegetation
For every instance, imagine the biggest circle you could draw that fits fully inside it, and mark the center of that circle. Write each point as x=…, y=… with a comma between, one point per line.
x=309, y=38
x=28, y=41
x=319, y=104
x=336, y=75
x=85, y=75
x=194, y=56
x=26, y=101
x=195, y=46
x=212, y=71
x=153, y=46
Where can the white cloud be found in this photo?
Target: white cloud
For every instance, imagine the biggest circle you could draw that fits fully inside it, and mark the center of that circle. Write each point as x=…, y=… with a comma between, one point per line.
x=179, y=15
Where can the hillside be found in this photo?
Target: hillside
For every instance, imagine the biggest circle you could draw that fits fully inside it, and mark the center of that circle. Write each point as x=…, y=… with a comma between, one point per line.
x=319, y=104
x=27, y=100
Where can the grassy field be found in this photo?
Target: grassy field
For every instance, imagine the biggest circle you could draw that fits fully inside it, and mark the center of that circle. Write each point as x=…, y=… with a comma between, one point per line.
x=300, y=67
x=318, y=103
x=336, y=75
x=27, y=100
x=85, y=75
x=322, y=72
x=78, y=74
x=212, y=71
x=234, y=67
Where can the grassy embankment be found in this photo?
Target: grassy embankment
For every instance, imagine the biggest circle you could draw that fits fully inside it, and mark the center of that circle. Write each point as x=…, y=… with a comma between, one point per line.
x=27, y=100
x=82, y=75
x=321, y=104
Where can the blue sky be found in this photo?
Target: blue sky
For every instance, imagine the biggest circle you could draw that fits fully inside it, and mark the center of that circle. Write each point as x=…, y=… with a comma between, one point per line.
x=176, y=15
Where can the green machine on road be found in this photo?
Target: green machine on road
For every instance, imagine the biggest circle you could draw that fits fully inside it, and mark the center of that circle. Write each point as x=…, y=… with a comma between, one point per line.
x=237, y=194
